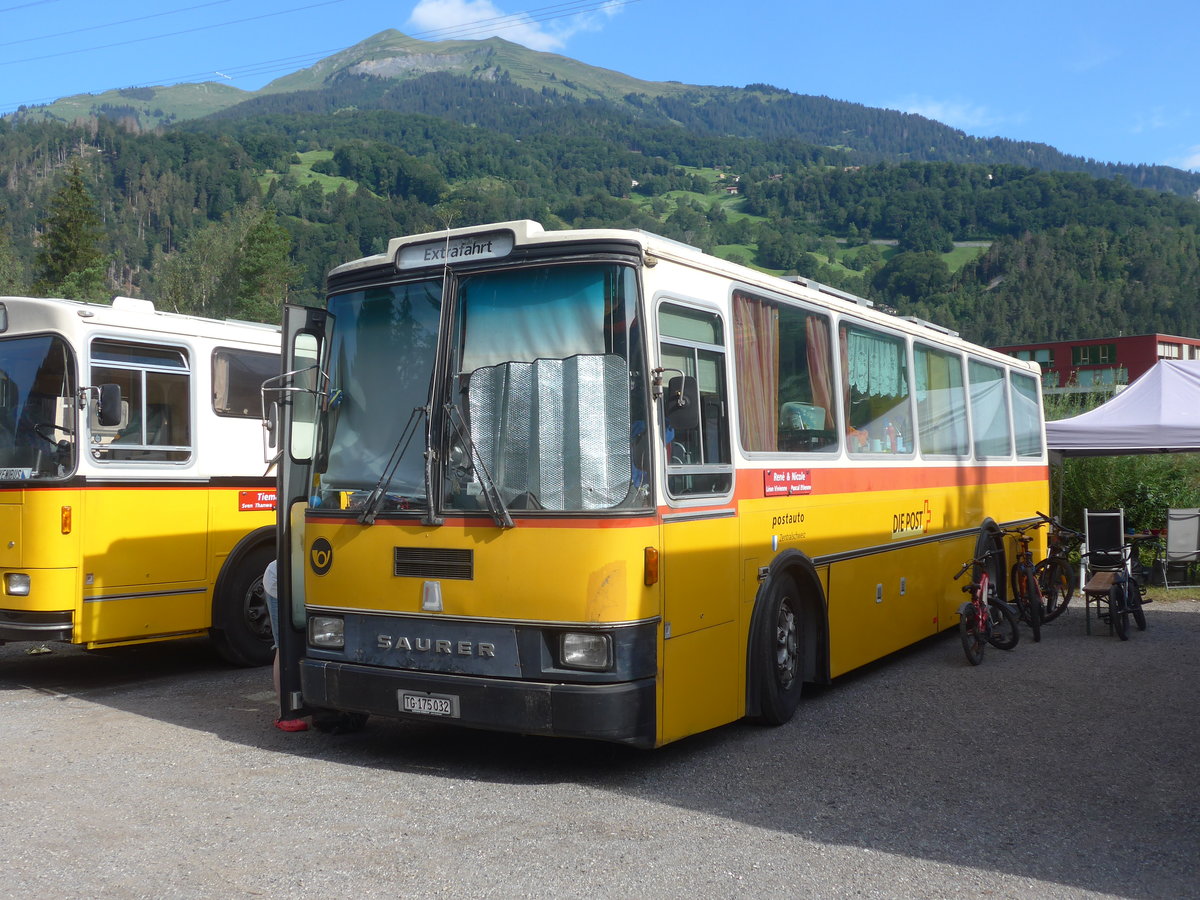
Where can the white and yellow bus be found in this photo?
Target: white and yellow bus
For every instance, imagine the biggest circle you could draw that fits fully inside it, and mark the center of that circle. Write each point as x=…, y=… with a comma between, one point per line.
x=600, y=484
x=134, y=502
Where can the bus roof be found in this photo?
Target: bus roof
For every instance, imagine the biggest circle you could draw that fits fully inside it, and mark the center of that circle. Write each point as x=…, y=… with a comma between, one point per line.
x=465, y=242
x=25, y=314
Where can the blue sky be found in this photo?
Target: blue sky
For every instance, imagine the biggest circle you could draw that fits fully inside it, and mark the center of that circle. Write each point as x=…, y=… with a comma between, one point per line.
x=1116, y=82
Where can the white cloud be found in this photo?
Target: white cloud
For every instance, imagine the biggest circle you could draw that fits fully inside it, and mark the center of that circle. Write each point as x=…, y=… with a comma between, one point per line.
x=956, y=113
x=1189, y=160
x=548, y=28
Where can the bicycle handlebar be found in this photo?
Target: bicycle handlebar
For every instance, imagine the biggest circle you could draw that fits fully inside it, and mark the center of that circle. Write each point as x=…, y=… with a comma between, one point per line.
x=1057, y=525
x=978, y=561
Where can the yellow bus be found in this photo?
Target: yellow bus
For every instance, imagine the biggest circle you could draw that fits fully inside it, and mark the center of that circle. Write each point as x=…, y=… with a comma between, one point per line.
x=600, y=484
x=134, y=502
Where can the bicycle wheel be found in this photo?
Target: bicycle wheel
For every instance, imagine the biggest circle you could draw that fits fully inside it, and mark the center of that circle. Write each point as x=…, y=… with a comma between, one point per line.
x=1004, y=631
x=1118, y=611
x=968, y=631
x=1033, y=605
x=1058, y=587
x=1135, y=607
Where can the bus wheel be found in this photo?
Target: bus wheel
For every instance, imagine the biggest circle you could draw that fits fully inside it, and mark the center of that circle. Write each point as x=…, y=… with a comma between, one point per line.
x=241, y=627
x=779, y=652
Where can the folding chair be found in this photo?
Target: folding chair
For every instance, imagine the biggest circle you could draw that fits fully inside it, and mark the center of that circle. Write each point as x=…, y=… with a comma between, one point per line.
x=1102, y=556
x=1182, y=546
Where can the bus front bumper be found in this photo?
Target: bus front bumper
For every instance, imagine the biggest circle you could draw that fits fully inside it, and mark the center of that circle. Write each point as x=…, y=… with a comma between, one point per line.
x=623, y=713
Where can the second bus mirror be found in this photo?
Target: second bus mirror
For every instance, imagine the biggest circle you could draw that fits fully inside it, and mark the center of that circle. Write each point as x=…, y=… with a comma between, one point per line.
x=108, y=410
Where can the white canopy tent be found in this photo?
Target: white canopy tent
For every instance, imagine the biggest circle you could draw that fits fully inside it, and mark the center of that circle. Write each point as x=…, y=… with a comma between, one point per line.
x=1157, y=413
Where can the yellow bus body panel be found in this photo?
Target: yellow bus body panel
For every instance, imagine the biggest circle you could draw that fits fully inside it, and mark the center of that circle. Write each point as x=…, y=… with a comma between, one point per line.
x=136, y=563
x=886, y=558
x=582, y=574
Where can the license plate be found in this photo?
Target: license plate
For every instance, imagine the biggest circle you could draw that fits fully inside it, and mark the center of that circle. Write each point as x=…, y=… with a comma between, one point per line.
x=424, y=704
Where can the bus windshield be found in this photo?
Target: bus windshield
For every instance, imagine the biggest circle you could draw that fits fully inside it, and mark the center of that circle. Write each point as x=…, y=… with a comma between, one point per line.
x=537, y=410
x=37, y=408
x=381, y=355
x=546, y=393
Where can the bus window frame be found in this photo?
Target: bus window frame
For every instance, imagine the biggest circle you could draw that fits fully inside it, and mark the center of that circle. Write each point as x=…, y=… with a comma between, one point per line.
x=844, y=321
x=839, y=448
x=726, y=420
x=1007, y=417
x=188, y=371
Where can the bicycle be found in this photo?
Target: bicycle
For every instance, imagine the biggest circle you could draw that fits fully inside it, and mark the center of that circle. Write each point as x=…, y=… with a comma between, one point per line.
x=985, y=618
x=1054, y=574
x=1027, y=592
x=1125, y=600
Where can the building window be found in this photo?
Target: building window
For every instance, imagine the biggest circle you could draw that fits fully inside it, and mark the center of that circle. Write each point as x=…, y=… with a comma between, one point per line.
x=1094, y=354
x=1170, y=351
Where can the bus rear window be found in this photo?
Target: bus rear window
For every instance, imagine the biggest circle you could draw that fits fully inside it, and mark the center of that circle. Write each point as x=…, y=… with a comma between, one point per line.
x=237, y=378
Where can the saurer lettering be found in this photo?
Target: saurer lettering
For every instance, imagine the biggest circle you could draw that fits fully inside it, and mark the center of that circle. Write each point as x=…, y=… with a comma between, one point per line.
x=429, y=645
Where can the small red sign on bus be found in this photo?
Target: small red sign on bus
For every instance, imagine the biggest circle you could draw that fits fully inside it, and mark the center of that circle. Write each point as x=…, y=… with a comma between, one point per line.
x=256, y=501
x=786, y=482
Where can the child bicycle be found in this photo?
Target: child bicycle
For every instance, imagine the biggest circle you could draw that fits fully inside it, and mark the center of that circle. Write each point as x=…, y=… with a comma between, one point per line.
x=985, y=618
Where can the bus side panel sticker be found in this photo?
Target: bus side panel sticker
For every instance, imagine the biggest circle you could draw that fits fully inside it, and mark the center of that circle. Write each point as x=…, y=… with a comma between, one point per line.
x=786, y=482
x=256, y=501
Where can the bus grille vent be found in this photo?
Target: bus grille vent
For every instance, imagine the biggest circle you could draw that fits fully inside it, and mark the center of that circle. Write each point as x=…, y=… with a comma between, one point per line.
x=430, y=562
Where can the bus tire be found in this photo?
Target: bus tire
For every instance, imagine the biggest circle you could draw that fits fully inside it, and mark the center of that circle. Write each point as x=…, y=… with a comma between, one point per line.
x=779, y=650
x=241, y=630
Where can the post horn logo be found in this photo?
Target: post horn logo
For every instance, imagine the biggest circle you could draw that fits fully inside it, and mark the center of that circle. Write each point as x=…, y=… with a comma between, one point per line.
x=320, y=556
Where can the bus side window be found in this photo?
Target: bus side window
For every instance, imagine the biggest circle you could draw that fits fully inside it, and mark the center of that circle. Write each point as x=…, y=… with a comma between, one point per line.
x=696, y=432
x=155, y=385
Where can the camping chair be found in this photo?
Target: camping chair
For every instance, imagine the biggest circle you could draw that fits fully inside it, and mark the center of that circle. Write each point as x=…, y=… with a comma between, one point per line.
x=1102, y=556
x=1183, y=545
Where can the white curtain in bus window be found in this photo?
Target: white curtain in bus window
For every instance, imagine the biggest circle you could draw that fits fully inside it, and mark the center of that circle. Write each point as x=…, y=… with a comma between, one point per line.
x=1027, y=415
x=875, y=392
x=554, y=434
x=549, y=313
x=941, y=402
x=785, y=377
x=989, y=410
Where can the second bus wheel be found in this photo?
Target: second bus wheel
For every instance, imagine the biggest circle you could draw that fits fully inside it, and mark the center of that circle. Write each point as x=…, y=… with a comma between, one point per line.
x=241, y=629
x=778, y=647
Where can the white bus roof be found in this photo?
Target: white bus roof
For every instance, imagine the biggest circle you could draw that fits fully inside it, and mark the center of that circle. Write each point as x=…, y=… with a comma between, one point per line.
x=527, y=233
x=30, y=314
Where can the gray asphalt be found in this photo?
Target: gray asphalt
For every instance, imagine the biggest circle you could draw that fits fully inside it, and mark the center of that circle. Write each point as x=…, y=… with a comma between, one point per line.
x=1069, y=768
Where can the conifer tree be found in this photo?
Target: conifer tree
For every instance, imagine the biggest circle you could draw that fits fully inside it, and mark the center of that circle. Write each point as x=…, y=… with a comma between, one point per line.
x=12, y=278
x=69, y=262
x=265, y=274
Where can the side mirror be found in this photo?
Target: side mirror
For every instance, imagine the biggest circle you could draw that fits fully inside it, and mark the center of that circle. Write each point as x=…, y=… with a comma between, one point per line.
x=682, y=404
x=108, y=410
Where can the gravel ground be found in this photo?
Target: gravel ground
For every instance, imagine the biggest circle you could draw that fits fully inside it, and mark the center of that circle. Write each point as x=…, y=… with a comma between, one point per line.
x=1068, y=768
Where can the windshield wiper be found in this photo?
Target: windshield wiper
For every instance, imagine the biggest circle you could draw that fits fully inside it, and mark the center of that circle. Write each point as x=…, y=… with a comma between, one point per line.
x=491, y=495
x=370, y=507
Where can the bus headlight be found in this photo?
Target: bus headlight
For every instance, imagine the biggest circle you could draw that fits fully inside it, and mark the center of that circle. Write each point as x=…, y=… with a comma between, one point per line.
x=327, y=632
x=16, y=584
x=586, y=650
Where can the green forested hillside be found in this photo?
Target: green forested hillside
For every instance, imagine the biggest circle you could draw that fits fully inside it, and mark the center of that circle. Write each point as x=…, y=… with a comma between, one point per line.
x=1002, y=252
